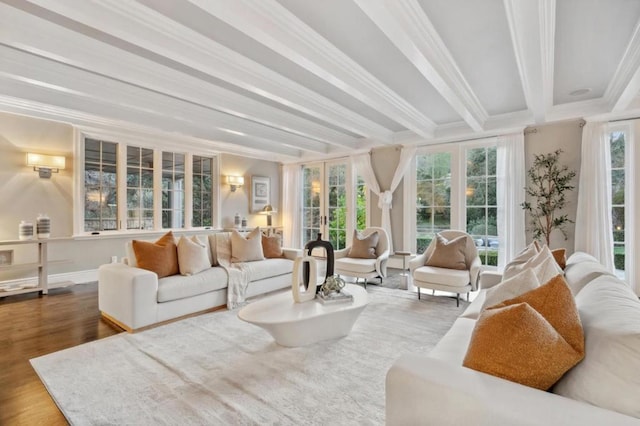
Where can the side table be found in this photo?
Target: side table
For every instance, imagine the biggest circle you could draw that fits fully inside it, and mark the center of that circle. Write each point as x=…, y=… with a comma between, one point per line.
x=404, y=276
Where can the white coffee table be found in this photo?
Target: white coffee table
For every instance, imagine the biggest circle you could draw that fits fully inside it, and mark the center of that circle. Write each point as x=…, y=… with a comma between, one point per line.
x=297, y=324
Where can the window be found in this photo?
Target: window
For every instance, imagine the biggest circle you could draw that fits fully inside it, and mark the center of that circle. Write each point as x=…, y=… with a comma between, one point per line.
x=617, y=144
x=139, y=188
x=122, y=186
x=361, y=204
x=172, y=190
x=337, y=205
x=100, y=186
x=481, y=202
x=202, y=191
x=433, y=196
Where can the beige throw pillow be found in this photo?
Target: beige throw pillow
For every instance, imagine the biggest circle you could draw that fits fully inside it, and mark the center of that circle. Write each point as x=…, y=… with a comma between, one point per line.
x=246, y=249
x=449, y=254
x=192, y=256
x=160, y=257
x=513, y=287
x=364, y=247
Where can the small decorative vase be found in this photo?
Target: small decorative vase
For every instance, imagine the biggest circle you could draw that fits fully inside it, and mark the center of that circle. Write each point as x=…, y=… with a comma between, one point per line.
x=236, y=221
x=244, y=222
x=43, y=225
x=25, y=230
x=300, y=296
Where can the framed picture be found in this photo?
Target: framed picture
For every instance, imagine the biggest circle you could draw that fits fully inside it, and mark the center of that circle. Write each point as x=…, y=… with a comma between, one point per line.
x=6, y=257
x=260, y=193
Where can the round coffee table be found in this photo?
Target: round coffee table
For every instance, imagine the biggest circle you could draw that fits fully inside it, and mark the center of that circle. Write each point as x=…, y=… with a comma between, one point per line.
x=297, y=324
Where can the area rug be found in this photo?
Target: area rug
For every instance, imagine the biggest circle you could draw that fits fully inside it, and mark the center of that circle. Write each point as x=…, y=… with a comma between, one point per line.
x=217, y=369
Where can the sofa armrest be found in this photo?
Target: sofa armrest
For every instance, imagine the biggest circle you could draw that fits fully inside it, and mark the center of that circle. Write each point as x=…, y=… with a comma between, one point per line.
x=417, y=261
x=424, y=390
x=339, y=254
x=490, y=279
x=291, y=254
x=128, y=295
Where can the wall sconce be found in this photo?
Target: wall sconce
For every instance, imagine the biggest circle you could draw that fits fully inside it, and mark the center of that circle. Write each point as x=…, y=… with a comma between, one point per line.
x=268, y=210
x=45, y=164
x=234, y=182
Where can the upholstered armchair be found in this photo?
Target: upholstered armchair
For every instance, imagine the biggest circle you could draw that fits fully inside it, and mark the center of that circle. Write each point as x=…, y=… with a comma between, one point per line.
x=462, y=280
x=352, y=262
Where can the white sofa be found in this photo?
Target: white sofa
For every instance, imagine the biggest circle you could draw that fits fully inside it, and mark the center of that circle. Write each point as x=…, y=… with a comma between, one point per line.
x=436, y=389
x=134, y=298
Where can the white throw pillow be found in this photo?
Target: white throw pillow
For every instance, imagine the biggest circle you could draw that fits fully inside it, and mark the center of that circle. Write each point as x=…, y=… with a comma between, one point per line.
x=513, y=287
x=246, y=249
x=534, y=261
x=546, y=270
x=608, y=376
x=527, y=253
x=192, y=256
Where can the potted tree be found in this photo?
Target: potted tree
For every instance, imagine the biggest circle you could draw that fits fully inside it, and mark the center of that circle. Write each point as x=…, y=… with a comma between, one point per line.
x=548, y=183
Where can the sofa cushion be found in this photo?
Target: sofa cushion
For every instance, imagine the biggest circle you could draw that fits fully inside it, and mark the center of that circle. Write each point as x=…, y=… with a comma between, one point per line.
x=181, y=287
x=444, y=276
x=453, y=346
x=609, y=375
x=192, y=256
x=272, y=246
x=449, y=254
x=160, y=257
x=364, y=247
x=362, y=266
x=246, y=249
x=579, y=257
x=582, y=273
x=267, y=268
x=513, y=287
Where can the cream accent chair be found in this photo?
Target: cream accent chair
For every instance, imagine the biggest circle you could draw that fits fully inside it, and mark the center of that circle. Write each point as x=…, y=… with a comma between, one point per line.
x=364, y=268
x=443, y=279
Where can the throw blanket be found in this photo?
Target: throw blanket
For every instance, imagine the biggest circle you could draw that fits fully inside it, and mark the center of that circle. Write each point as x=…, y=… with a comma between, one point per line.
x=237, y=273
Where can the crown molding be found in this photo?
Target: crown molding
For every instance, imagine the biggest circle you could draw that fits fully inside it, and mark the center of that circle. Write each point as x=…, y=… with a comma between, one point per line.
x=145, y=28
x=407, y=26
x=271, y=24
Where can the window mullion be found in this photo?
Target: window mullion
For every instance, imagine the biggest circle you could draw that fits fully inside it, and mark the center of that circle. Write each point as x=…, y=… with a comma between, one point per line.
x=188, y=193
x=121, y=184
x=157, y=189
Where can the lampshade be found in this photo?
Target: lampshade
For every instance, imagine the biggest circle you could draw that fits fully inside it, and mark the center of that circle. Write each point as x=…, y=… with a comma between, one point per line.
x=235, y=181
x=267, y=209
x=45, y=164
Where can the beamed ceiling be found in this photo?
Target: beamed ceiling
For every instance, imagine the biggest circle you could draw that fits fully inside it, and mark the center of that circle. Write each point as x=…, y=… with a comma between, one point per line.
x=292, y=80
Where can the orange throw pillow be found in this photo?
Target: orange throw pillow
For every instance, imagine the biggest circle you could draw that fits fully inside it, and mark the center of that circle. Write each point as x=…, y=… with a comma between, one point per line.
x=272, y=246
x=533, y=339
x=560, y=256
x=160, y=257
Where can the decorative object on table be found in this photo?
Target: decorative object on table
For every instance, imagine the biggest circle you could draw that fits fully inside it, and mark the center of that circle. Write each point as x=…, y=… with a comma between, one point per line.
x=300, y=296
x=335, y=297
x=243, y=224
x=332, y=284
x=328, y=248
x=260, y=193
x=549, y=181
x=25, y=230
x=6, y=257
x=43, y=226
x=236, y=220
x=268, y=210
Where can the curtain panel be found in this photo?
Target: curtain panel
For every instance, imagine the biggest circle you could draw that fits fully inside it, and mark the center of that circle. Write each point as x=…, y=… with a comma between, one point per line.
x=291, y=190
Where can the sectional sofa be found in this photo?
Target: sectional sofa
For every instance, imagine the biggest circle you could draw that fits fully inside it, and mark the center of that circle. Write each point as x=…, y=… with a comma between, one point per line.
x=134, y=298
x=603, y=389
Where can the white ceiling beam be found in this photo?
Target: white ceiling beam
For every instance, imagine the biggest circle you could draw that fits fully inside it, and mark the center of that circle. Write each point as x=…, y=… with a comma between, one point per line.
x=625, y=84
x=89, y=54
x=150, y=30
x=38, y=71
x=406, y=24
x=269, y=23
x=532, y=27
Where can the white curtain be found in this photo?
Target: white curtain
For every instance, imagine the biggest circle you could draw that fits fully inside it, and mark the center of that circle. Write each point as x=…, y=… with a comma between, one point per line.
x=593, y=219
x=362, y=163
x=291, y=188
x=510, y=195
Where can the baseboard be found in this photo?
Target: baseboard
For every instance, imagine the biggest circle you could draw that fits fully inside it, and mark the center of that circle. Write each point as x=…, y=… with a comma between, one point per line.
x=59, y=280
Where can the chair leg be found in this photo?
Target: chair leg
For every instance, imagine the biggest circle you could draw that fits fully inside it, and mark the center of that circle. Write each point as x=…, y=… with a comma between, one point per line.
x=458, y=300
x=418, y=293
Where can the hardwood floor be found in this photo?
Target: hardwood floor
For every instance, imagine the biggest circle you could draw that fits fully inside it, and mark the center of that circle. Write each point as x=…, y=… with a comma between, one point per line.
x=31, y=326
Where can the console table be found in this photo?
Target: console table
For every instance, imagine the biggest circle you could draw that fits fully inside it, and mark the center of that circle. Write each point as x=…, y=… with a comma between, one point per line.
x=41, y=265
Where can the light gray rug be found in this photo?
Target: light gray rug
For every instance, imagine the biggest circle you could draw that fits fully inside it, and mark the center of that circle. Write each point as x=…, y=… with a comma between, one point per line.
x=217, y=369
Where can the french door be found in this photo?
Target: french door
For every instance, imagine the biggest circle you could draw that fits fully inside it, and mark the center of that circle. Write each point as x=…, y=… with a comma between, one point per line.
x=325, y=199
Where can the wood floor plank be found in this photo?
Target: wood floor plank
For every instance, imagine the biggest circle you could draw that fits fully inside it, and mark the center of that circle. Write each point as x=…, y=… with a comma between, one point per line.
x=31, y=326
